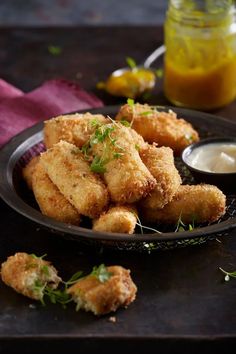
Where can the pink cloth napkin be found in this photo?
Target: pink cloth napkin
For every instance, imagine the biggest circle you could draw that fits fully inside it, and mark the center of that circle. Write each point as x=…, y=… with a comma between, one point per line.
x=19, y=110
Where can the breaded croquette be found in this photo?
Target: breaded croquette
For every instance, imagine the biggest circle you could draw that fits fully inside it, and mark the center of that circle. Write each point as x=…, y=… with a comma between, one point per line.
x=195, y=203
x=28, y=171
x=28, y=275
x=73, y=128
x=50, y=200
x=66, y=167
x=126, y=176
x=159, y=127
x=120, y=219
x=101, y=298
x=160, y=162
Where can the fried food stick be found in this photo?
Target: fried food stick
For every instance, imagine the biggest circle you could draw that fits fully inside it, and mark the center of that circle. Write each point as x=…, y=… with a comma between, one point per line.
x=126, y=176
x=28, y=170
x=120, y=219
x=198, y=203
x=50, y=200
x=159, y=127
x=160, y=162
x=28, y=275
x=101, y=298
x=68, y=170
x=73, y=128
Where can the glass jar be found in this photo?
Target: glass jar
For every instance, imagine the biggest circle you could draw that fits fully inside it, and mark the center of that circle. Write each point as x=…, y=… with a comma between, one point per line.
x=200, y=60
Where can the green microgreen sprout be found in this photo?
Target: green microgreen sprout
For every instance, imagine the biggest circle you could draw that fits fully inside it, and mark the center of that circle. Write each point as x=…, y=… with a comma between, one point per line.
x=138, y=223
x=101, y=273
x=131, y=63
x=60, y=296
x=36, y=257
x=54, y=50
x=130, y=102
x=125, y=123
x=146, y=113
x=159, y=73
x=228, y=275
x=98, y=165
x=44, y=269
x=110, y=149
x=180, y=226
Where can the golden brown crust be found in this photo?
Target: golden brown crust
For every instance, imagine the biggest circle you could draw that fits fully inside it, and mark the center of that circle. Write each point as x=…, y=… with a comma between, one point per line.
x=73, y=128
x=28, y=171
x=68, y=170
x=50, y=200
x=198, y=203
x=159, y=127
x=101, y=298
x=120, y=219
x=160, y=162
x=23, y=272
x=127, y=178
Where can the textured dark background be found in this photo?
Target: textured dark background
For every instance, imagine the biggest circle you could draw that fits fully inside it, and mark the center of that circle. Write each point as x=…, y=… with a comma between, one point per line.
x=81, y=12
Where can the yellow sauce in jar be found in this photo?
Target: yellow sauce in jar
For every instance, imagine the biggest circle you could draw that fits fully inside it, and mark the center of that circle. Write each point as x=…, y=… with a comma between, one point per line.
x=201, y=88
x=200, y=61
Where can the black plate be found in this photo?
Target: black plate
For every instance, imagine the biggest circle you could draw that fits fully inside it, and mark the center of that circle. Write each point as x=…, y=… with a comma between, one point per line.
x=21, y=148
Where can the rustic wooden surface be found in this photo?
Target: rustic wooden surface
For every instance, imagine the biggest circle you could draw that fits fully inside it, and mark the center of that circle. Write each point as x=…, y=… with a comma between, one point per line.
x=183, y=304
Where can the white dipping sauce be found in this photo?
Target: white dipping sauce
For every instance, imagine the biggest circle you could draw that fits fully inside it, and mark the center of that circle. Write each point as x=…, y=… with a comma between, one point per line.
x=214, y=157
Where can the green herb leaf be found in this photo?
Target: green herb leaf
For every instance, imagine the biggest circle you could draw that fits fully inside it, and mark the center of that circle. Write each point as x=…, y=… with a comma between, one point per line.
x=130, y=102
x=95, y=123
x=101, y=273
x=131, y=62
x=159, y=73
x=117, y=155
x=125, y=123
x=36, y=257
x=180, y=226
x=146, y=113
x=44, y=269
x=75, y=277
x=137, y=147
x=57, y=296
x=54, y=50
x=97, y=165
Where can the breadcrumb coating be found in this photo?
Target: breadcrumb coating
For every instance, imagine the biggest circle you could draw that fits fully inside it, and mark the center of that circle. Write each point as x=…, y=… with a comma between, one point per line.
x=160, y=162
x=50, y=200
x=120, y=219
x=159, y=127
x=24, y=272
x=127, y=178
x=68, y=170
x=198, y=203
x=73, y=128
x=101, y=298
x=28, y=170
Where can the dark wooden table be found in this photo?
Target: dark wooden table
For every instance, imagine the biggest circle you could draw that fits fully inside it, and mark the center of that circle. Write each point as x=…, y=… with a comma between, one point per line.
x=183, y=304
